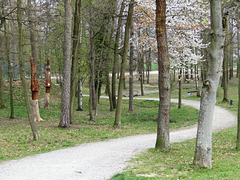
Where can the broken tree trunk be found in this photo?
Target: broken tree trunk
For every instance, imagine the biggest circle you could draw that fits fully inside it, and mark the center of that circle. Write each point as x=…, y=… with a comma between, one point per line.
x=35, y=89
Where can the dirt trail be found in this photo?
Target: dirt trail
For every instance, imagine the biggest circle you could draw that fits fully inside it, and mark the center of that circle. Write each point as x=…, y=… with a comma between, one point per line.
x=101, y=160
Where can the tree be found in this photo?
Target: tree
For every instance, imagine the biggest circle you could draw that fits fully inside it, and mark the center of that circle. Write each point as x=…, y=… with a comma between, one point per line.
x=163, y=141
x=115, y=62
x=203, y=149
x=117, y=123
x=238, y=121
x=131, y=68
x=22, y=74
x=65, y=99
x=76, y=39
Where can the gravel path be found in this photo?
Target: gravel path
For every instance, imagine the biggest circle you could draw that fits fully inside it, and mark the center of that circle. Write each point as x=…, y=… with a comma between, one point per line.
x=101, y=160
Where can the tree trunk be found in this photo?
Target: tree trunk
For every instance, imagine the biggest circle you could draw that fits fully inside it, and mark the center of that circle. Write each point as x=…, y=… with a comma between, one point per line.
x=130, y=109
x=115, y=62
x=163, y=141
x=76, y=39
x=1, y=82
x=22, y=73
x=92, y=59
x=65, y=100
x=180, y=91
x=31, y=30
x=9, y=71
x=80, y=103
x=238, y=121
x=117, y=123
x=197, y=81
x=203, y=150
x=225, y=64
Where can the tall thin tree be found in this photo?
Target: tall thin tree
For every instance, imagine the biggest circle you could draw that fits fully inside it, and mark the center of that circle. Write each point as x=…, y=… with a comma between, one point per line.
x=117, y=123
x=22, y=73
x=65, y=99
x=163, y=141
x=203, y=150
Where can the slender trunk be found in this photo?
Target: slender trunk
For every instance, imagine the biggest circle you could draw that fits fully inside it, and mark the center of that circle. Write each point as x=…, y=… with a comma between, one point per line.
x=22, y=73
x=80, y=104
x=76, y=39
x=131, y=68
x=1, y=83
x=117, y=123
x=180, y=91
x=163, y=141
x=203, y=150
x=31, y=30
x=65, y=100
x=9, y=71
x=225, y=65
x=115, y=62
x=238, y=121
x=92, y=59
x=196, y=81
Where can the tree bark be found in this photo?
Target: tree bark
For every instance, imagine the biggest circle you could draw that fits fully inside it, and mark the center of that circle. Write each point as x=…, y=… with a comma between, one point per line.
x=65, y=100
x=131, y=68
x=163, y=141
x=180, y=90
x=225, y=64
x=203, y=150
x=238, y=121
x=115, y=62
x=117, y=123
x=22, y=73
x=7, y=48
x=31, y=30
x=76, y=40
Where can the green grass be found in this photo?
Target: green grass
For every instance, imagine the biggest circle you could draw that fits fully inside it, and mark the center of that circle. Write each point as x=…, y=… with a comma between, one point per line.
x=177, y=164
x=16, y=136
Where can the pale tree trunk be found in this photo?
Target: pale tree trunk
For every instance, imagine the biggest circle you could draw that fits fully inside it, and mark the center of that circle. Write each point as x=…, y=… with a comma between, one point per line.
x=9, y=71
x=117, y=123
x=76, y=40
x=131, y=68
x=197, y=81
x=48, y=85
x=142, y=72
x=115, y=62
x=65, y=100
x=203, y=150
x=163, y=141
x=80, y=104
x=180, y=90
x=22, y=74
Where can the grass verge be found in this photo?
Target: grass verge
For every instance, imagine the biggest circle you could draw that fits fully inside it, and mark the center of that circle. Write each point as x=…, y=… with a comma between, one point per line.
x=177, y=164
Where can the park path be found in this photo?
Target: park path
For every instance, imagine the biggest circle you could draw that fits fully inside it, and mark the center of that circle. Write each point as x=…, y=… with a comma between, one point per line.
x=100, y=160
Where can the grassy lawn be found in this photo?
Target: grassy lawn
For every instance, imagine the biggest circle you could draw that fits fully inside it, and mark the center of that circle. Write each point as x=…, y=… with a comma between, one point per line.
x=16, y=137
x=177, y=164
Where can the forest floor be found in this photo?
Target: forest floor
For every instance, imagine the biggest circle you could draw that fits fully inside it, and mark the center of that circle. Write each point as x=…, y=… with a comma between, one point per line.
x=100, y=160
